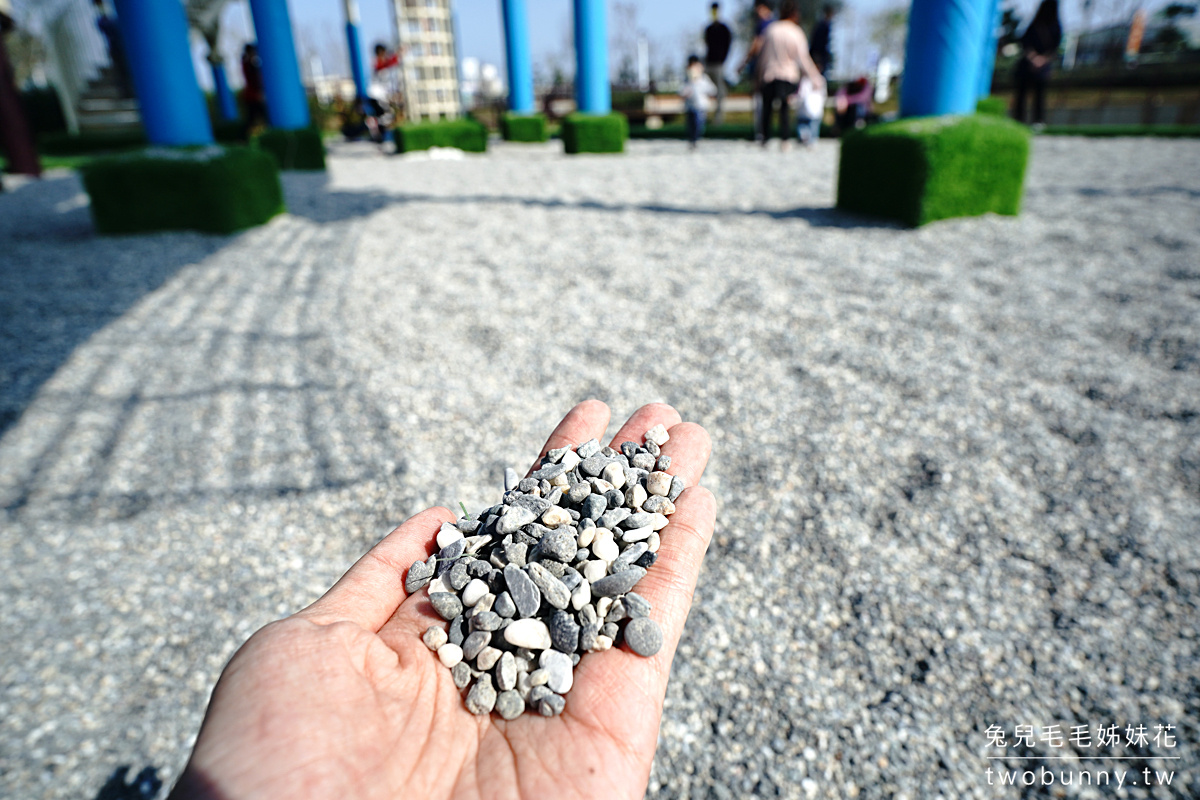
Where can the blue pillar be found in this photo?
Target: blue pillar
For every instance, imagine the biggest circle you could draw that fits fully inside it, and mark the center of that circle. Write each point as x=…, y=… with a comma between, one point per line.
x=287, y=104
x=942, y=58
x=155, y=35
x=988, y=63
x=225, y=101
x=517, y=53
x=354, y=45
x=593, y=94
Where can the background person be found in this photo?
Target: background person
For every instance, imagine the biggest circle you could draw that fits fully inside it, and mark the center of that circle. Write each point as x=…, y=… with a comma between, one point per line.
x=696, y=91
x=254, y=99
x=717, y=40
x=763, y=16
x=1039, y=45
x=822, y=37
x=781, y=58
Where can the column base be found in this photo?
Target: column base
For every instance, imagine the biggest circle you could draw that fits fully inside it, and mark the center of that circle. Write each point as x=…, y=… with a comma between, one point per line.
x=595, y=133
x=465, y=134
x=301, y=148
x=523, y=127
x=923, y=169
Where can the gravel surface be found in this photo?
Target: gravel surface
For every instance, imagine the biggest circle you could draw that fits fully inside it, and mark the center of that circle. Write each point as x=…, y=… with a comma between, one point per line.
x=958, y=468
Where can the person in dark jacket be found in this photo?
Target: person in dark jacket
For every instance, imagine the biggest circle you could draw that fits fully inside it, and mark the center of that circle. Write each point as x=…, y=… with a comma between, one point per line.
x=717, y=39
x=254, y=99
x=819, y=46
x=1039, y=45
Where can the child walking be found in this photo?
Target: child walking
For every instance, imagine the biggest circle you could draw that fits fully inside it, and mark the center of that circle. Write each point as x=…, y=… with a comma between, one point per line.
x=810, y=110
x=696, y=91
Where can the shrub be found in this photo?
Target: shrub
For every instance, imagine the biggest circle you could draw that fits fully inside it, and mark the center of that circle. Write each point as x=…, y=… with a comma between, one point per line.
x=992, y=105
x=595, y=133
x=64, y=144
x=295, y=149
x=213, y=189
x=523, y=127
x=465, y=134
x=929, y=168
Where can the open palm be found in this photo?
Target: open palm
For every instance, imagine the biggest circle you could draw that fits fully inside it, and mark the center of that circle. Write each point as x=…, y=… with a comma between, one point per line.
x=344, y=700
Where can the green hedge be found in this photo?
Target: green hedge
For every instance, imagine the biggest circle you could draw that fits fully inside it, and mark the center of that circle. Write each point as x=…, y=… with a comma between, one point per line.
x=213, y=189
x=465, y=134
x=295, y=149
x=991, y=104
x=1168, y=131
x=523, y=127
x=929, y=168
x=595, y=133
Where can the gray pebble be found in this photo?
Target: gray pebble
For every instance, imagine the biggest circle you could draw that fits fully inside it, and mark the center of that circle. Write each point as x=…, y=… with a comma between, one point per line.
x=620, y=583
x=594, y=506
x=643, y=636
x=455, y=631
x=556, y=455
x=538, y=505
x=419, y=575
x=458, y=576
x=592, y=467
x=527, y=486
x=554, y=590
x=678, y=484
x=636, y=605
x=516, y=553
x=653, y=449
x=448, y=555
x=537, y=693
x=447, y=605
x=641, y=519
x=482, y=697
x=571, y=577
x=663, y=463
x=586, y=523
x=616, y=613
x=487, y=658
x=579, y=492
x=609, y=629
x=461, y=673
x=516, y=517
x=552, y=705
x=506, y=672
x=478, y=568
x=504, y=605
x=475, y=643
x=642, y=461
x=629, y=449
x=615, y=498
x=509, y=704
x=524, y=592
x=487, y=621
x=468, y=526
x=613, y=517
x=560, y=545
x=588, y=449
x=628, y=557
x=564, y=632
x=549, y=472
x=656, y=504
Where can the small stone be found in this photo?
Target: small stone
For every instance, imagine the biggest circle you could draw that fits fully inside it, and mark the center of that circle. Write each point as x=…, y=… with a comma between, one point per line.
x=552, y=705
x=564, y=633
x=510, y=704
x=629, y=449
x=437, y=585
x=487, y=621
x=555, y=516
x=539, y=677
x=449, y=654
x=600, y=486
x=419, y=574
x=616, y=613
x=629, y=556
x=434, y=637
x=588, y=448
x=592, y=467
x=485, y=603
x=449, y=554
x=458, y=577
x=516, y=517
x=511, y=479
x=647, y=560
x=473, y=592
x=636, y=605
x=586, y=537
x=578, y=492
x=644, y=636
x=482, y=697
x=461, y=674
x=528, y=486
x=582, y=595
x=506, y=672
x=658, y=505
x=653, y=449
x=609, y=629
x=475, y=643
x=658, y=483
x=587, y=636
x=620, y=583
x=555, y=496
x=608, y=452
x=635, y=497
x=556, y=455
x=636, y=534
x=553, y=590
x=524, y=592
x=531, y=633
x=641, y=519
x=663, y=464
x=448, y=533
x=479, y=569
x=594, y=571
x=537, y=693
x=581, y=555
x=570, y=460
x=468, y=526
x=455, y=631
x=560, y=544
x=560, y=669
x=446, y=604
x=603, y=604
x=613, y=473
x=605, y=547
x=571, y=578
x=653, y=542
x=487, y=658
x=677, y=486
x=612, y=518
x=516, y=553
x=593, y=506
x=658, y=434
x=504, y=605
x=549, y=472
x=615, y=498
x=642, y=461
x=603, y=643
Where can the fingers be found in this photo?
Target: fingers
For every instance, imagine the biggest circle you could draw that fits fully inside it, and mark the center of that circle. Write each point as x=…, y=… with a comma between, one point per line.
x=643, y=420
x=371, y=590
x=689, y=449
x=588, y=420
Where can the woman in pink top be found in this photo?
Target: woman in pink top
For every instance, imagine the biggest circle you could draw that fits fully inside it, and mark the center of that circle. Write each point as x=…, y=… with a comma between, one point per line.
x=782, y=54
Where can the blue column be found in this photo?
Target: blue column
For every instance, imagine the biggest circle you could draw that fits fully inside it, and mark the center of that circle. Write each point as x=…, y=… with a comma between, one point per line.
x=988, y=62
x=155, y=35
x=354, y=45
x=942, y=58
x=593, y=94
x=287, y=104
x=225, y=102
x=517, y=53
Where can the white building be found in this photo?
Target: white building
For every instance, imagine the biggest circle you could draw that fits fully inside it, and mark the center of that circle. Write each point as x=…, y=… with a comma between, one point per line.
x=429, y=67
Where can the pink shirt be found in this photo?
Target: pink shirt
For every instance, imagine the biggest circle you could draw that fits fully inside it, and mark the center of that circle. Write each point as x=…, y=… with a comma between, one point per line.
x=779, y=58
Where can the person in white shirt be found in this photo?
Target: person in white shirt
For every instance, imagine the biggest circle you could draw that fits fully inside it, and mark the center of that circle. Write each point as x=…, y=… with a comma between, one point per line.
x=696, y=91
x=782, y=56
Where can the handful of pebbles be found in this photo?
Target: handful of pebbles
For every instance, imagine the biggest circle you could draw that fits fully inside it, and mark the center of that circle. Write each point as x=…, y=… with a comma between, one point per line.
x=547, y=576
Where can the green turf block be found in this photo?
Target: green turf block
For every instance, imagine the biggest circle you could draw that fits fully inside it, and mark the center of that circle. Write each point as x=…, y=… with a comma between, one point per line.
x=523, y=127
x=295, y=149
x=465, y=134
x=595, y=133
x=997, y=106
x=213, y=189
x=928, y=168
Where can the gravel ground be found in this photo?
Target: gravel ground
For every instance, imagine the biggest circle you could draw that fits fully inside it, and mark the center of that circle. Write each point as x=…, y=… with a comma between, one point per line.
x=958, y=468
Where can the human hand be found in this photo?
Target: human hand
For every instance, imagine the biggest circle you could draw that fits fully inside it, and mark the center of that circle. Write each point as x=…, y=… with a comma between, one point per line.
x=343, y=699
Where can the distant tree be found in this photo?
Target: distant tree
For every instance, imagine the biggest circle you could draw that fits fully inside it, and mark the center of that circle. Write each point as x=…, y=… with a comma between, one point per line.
x=889, y=31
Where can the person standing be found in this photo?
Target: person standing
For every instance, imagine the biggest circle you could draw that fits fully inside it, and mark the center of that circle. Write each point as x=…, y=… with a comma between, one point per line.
x=116, y=47
x=762, y=18
x=1039, y=45
x=696, y=90
x=781, y=58
x=717, y=39
x=254, y=99
x=822, y=36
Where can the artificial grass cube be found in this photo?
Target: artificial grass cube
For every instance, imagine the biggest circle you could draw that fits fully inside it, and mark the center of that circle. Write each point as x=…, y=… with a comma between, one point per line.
x=595, y=133
x=523, y=127
x=293, y=149
x=465, y=134
x=992, y=105
x=213, y=189
x=929, y=168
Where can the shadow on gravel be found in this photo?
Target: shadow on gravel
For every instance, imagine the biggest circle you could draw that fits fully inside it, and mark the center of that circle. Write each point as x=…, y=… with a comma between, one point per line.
x=60, y=282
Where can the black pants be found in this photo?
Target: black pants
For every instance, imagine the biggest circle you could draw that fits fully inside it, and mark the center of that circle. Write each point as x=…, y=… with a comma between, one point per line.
x=1029, y=76
x=777, y=91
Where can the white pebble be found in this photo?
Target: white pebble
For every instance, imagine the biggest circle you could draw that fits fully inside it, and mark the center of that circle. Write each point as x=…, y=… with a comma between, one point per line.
x=438, y=585
x=658, y=483
x=653, y=542
x=600, y=486
x=659, y=522
x=473, y=592
x=639, y=497
x=658, y=434
x=602, y=606
x=570, y=460
x=615, y=474
x=539, y=677
x=435, y=637
x=447, y=535
x=560, y=480
x=602, y=643
x=604, y=548
x=555, y=516
x=531, y=633
x=586, y=537
x=582, y=595
x=450, y=654
x=637, y=534
x=487, y=658
x=594, y=570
